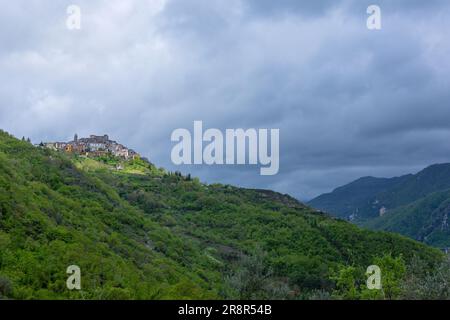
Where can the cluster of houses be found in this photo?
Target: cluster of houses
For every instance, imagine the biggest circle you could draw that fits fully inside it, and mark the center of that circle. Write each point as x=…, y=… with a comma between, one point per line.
x=93, y=146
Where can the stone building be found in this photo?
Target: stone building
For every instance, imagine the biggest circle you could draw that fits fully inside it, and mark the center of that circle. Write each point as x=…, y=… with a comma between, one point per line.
x=94, y=146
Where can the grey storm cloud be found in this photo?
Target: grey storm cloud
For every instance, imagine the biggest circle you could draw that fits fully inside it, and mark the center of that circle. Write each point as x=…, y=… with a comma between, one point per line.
x=348, y=101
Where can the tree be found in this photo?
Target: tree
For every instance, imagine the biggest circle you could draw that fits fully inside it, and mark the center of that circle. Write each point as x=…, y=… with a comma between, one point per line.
x=424, y=282
x=392, y=274
x=254, y=280
x=5, y=287
x=346, y=283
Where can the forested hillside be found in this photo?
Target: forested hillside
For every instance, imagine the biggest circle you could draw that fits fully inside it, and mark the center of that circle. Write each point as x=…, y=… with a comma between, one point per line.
x=415, y=205
x=139, y=232
x=358, y=200
x=425, y=220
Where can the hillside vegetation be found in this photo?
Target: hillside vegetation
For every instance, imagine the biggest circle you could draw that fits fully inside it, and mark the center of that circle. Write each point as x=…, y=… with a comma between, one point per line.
x=414, y=205
x=425, y=220
x=139, y=232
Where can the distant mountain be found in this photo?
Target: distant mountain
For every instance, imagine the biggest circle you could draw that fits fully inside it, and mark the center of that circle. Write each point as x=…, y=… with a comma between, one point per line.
x=424, y=220
x=414, y=205
x=139, y=232
x=358, y=200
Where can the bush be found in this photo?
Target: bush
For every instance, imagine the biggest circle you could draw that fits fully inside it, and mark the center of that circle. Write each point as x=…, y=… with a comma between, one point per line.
x=5, y=287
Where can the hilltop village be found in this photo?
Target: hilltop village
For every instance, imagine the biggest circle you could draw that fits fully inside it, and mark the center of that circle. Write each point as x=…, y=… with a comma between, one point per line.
x=93, y=146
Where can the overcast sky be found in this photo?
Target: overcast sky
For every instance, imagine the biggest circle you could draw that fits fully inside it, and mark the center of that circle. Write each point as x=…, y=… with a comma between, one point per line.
x=348, y=101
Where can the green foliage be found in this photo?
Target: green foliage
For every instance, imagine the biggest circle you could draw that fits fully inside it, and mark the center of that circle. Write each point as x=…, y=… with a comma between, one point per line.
x=351, y=281
x=252, y=279
x=392, y=274
x=143, y=233
x=416, y=206
x=53, y=215
x=5, y=287
x=346, y=287
x=422, y=283
x=425, y=220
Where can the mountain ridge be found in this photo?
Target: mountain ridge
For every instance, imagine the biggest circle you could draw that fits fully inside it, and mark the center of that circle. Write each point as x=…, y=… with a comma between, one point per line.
x=396, y=204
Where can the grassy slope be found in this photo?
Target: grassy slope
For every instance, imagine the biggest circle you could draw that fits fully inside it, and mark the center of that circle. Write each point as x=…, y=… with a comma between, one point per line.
x=143, y=233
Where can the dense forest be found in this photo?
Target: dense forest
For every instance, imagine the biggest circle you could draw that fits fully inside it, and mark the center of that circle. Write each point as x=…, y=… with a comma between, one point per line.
x=140, y=232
